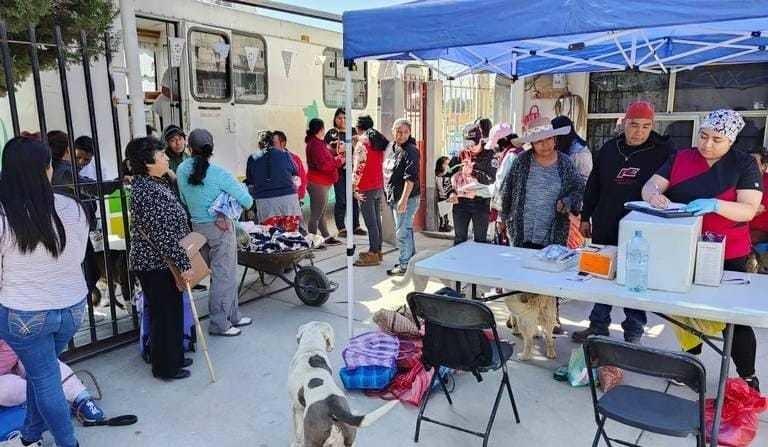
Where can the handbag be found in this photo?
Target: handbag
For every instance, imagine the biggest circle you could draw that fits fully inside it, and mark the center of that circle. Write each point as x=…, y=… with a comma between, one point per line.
x=191, y=243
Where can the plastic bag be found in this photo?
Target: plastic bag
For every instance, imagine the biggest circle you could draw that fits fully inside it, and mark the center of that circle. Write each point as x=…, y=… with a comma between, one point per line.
x=577, y=368
x=687, y=340
x=740, y=409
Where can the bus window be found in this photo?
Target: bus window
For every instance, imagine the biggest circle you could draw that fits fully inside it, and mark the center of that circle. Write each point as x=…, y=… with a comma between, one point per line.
x=333, y=81
x=249, y=66
x=209, y=63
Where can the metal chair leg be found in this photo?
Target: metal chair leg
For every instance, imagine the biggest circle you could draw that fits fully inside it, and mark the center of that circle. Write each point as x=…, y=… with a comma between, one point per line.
x=493, y=415
x=423, y=407
x=511, y=396
x=599, y=432
x=242, y=281
x=442, y=385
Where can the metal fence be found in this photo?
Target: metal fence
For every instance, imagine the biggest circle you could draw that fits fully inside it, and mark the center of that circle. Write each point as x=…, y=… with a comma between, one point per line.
x=464, y=100
x=109, y=253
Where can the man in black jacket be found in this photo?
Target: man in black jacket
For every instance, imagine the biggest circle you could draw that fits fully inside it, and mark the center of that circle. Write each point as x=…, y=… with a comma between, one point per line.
x=621, y=169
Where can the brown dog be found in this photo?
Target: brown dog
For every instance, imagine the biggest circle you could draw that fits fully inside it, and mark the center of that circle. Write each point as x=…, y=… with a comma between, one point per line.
x=532, y=313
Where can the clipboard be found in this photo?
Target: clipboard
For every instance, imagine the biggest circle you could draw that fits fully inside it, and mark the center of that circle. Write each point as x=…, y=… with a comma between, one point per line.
x=676, y=210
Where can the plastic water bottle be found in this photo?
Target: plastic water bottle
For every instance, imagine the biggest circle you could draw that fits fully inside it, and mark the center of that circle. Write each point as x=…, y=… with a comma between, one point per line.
x=637, y=263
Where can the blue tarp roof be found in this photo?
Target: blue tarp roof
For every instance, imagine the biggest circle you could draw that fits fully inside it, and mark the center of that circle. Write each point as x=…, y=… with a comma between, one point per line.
x=523, y=38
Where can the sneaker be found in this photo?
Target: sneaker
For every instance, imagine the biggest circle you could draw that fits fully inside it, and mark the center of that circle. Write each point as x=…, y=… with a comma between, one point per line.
x=753, y=383
x=231, y=332
x=332, y=241
x=397, y=270
x=244, y=321
x=360, y=232
x=342, y=233
x=86, y=410
x=16, y=442
x=582, y=336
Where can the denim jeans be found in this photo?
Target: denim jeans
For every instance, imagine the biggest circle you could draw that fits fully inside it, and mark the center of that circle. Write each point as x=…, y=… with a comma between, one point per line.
x=371, y=209
x=404, y=230
x=600, y=319
x=38, y=337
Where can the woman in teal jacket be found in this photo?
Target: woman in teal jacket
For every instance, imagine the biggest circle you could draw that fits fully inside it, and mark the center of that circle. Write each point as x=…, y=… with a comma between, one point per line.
x=200, y=184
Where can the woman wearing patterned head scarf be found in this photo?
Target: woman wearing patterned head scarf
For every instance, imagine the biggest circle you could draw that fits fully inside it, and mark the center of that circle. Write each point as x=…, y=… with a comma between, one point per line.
x=725, y=186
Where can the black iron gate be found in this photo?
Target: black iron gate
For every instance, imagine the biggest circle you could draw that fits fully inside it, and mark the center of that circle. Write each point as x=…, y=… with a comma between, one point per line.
x=119, y=325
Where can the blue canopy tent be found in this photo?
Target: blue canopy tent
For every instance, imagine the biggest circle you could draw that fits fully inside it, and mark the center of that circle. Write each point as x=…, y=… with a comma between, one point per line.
x=520, y=38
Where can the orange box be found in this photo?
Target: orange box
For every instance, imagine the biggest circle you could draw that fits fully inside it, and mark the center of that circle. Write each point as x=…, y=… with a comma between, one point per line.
x=601, y=263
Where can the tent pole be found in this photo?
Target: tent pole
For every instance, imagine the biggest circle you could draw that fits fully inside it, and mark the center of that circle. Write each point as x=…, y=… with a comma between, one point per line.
x=348, y=221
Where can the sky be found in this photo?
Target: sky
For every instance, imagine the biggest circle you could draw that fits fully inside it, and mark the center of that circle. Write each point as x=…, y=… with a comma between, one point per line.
x=337, y=6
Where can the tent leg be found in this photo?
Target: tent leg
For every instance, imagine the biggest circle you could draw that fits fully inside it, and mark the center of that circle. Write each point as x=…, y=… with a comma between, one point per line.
x=348, y=221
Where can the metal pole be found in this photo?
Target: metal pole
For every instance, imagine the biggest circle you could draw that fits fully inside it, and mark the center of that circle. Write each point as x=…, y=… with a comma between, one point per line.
x=62, y=63
x=725, y=364
x=38, y=85
x=350, y=197
x=99, y=178
x=9, y=82
x=131, y=47
x=119, y=160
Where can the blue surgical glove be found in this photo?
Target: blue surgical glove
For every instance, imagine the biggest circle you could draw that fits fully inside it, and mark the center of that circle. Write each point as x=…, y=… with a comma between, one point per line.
x=699, y=207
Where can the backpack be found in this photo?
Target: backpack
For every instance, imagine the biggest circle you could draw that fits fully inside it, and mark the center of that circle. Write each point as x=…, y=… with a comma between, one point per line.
x=190, y=335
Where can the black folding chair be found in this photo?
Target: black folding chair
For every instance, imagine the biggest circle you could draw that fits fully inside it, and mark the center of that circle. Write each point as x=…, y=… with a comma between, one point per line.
x=442, y=312
x=642, y=408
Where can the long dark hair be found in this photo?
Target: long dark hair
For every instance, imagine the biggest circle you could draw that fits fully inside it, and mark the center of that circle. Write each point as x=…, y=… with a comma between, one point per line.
x=27, y=199
x=439, y=165
x=563, y=143
x=201, y=162
x=314, y=126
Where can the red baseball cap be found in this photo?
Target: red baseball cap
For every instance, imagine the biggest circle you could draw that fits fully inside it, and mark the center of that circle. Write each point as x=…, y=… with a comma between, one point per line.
x=640, y=110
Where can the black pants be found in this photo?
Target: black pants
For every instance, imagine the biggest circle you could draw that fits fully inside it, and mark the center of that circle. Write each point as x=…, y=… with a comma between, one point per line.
x=340, y=207
x=744, y=341
x=166, y=313
x=475, y=211
x=90, y=268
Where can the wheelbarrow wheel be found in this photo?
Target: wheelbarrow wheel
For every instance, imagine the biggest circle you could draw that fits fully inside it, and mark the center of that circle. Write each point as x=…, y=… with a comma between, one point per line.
x=311, y=286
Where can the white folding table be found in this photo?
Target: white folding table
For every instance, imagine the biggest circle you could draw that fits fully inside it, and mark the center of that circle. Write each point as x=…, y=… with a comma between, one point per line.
x=501, y=266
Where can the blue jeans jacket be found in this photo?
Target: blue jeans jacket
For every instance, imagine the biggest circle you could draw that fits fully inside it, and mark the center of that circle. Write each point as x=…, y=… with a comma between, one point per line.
x=38, y=337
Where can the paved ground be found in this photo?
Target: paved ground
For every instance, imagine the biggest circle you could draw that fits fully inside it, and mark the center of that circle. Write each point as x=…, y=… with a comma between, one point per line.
x=248, y=406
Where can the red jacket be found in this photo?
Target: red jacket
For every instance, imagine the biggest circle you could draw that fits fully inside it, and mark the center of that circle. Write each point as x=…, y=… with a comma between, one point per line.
x=301, y=191
x=323, y=167
x=370, y=168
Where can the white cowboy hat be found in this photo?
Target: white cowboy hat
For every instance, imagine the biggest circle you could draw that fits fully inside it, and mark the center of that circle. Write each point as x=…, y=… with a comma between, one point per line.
x=541, y=129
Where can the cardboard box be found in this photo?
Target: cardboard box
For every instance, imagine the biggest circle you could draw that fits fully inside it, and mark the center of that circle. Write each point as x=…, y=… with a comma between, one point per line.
x=709, y=263
x=672, y=256
x=600, y=263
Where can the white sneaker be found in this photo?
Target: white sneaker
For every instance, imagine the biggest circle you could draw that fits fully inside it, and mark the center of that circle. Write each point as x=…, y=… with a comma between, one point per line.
x=231, y=332
x=244, y=321
x=16, y=442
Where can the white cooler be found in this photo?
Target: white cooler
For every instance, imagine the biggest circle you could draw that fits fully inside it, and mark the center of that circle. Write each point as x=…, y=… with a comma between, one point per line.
x=672, y=255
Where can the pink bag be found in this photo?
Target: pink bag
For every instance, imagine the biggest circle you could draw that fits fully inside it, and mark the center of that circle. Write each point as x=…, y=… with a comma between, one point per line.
x=740, y=409
x=371, y=349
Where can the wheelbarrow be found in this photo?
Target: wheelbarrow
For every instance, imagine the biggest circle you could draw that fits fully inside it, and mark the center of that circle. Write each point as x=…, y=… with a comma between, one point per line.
x=311, y=284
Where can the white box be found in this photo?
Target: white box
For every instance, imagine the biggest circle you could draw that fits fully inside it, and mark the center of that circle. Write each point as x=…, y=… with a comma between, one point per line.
x=672, y=255
x=709, y=263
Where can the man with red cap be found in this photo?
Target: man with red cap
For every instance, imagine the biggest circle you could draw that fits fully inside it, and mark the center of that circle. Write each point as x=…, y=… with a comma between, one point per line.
x=621, y=168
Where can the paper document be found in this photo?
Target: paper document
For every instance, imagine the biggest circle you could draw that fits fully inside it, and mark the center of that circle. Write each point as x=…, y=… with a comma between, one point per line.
x=672, y=211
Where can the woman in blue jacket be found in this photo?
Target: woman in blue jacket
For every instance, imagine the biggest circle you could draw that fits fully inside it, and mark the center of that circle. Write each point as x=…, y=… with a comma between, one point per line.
x=200, y=184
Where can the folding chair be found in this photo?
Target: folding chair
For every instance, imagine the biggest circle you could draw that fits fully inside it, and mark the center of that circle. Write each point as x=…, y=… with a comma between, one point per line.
x=642, y=408
x=449, y=313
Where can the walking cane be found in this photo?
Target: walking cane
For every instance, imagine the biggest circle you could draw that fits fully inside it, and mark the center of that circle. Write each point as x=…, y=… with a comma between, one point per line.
x=200, y=334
